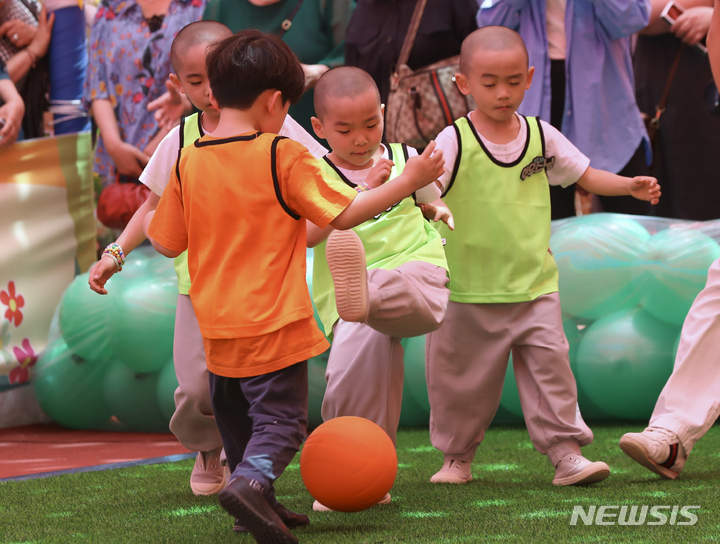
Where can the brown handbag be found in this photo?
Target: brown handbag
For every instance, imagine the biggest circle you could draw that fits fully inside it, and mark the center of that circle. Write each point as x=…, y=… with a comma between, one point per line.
x=423, y=102
x=119, y=201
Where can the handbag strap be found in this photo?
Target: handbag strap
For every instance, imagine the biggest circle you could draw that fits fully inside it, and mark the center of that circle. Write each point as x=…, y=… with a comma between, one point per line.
x=287, y=23
x=660, y=108
x=409, y=40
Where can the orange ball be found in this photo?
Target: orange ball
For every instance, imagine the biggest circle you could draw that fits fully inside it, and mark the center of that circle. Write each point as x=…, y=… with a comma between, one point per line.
x=348, y=464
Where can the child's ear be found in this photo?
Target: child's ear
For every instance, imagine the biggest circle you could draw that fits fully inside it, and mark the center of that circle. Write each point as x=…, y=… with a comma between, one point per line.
x=531, y=72
x=213, y=102
x=275, y=101
x=462, y=83
x=317, y=127
x=176, y=82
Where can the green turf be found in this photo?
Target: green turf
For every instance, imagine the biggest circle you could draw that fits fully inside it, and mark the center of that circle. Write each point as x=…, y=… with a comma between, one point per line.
x=510, y=500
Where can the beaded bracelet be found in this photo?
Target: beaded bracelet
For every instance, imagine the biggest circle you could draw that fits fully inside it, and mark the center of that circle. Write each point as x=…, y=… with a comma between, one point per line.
x=116, y=252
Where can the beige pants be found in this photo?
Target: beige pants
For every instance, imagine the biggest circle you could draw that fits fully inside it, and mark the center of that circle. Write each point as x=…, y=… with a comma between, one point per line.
x=193, y=422
x=690, y=401
x=365, y=366
x=466, y=360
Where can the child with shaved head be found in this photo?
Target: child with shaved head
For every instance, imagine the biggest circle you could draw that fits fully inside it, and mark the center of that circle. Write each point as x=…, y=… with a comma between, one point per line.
x=193, y=422
x=504, y=281
x=385, y=279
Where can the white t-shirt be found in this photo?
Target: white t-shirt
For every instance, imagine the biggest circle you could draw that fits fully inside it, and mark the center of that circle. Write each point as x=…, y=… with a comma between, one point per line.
x=156, y=174
x=570, y=163
x=427, y=194
x=557, y=41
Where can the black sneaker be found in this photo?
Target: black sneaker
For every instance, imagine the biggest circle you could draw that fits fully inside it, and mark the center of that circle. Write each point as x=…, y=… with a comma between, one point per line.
x=245, y=500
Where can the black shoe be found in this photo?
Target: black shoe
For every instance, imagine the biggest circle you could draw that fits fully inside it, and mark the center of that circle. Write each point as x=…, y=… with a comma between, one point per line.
x=289, y=518
x=245, y=500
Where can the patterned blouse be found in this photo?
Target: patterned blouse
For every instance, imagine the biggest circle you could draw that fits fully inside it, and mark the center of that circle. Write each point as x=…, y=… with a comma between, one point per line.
x=128, y=65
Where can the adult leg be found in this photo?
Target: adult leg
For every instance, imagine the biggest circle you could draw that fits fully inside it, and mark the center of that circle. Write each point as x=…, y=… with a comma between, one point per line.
x=690, y=401
x=364, y=376
x=410, y=300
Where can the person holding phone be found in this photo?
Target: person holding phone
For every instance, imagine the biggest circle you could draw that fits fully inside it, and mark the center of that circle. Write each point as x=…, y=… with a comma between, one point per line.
x=689, y=136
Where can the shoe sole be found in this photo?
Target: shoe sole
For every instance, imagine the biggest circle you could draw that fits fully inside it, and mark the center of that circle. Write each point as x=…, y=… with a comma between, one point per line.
x=206, y=489
x=261, y=530
x=320, y=507
x=595, y=472
x=446, y=480
x=637, y=452
x=345, y=256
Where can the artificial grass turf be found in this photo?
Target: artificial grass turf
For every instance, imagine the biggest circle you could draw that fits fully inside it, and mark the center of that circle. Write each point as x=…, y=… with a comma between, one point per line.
x=510, y=500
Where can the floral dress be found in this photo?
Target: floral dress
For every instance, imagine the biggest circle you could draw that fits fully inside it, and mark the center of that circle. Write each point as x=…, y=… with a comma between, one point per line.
x=129, y=64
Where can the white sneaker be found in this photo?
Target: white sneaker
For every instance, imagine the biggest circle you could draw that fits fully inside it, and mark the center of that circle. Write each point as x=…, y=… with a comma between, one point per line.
x=453, y=471
x=575, y=469
x=656, y=449
x=208, y=476
x=345, y=256
x=319, y=507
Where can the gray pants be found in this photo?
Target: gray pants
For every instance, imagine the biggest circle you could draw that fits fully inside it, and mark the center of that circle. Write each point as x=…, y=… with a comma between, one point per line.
x=365, y=366
x=466, y=360
x=193, y=422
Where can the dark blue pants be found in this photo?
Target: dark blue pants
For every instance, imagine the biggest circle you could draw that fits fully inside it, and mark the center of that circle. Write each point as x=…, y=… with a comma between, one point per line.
x=262, y=421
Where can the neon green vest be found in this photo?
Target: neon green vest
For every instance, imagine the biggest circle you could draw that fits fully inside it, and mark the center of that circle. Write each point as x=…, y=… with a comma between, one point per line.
x=397, y=236
x=190, y=130
x=499, y=250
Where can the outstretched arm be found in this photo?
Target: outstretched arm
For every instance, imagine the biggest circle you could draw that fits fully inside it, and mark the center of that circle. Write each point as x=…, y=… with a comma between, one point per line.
x=418, y=172
x=605, y=183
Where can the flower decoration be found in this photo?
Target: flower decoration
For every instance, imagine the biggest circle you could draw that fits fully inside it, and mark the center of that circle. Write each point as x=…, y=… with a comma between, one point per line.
x=26, y=358
x=14, y=302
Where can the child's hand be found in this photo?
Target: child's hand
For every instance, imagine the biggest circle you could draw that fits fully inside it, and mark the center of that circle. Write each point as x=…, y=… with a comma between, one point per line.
x=425, y=168
x=379, y=173
x=645, y=188
x=438, y=211
x=100, y=273
x=170, y=107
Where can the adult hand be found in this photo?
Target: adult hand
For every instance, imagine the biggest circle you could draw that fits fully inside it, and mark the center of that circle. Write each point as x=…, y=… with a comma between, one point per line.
x=128, y=159
x=170, y=107
x=692, y=25
x=18, y=32
x=313, y=73
x=11, y=113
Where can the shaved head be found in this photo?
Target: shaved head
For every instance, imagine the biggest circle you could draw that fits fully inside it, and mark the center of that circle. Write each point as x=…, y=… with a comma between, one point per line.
x=198, y=33
x=489, y=38
x=342, y=82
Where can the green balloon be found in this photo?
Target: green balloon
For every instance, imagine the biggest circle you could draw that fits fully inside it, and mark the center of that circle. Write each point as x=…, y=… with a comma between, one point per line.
x=504, y=417
x=136, y=264
x=574, y=331
x=671, y=270
x=85, y=317
x=166, y=386
x=510, y=399
x=143, y=323
x=595, y=255
x=133, y=400
x=70, y=388
x=411, y=413
x=415, y=381
x=624, y=361
x=316, y=388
